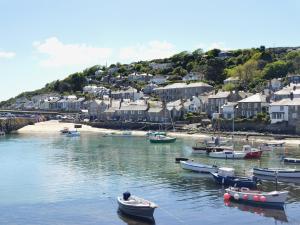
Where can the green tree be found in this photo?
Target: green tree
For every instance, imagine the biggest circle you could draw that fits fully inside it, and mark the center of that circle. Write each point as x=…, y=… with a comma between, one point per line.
x=276, y=69
x=179, y=71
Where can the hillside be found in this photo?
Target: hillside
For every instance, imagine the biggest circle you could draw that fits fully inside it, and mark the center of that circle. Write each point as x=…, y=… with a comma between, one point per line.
x=252, y=66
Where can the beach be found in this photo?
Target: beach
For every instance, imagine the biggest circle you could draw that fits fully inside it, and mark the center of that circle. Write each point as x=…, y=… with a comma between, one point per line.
x=54, y=126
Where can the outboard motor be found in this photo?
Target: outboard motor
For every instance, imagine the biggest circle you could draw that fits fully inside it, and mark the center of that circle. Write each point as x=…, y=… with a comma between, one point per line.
x=126, y=195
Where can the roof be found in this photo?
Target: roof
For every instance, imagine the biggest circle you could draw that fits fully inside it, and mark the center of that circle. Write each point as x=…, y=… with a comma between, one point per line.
x=155, y=110
x=220, y=94
x=133, y=107
x=287, y=101
x=184, y=85
x=232, y=78
x=255, y=98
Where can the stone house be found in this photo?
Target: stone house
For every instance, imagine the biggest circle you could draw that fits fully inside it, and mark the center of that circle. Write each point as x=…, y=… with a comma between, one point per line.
x=193, y=76
x=229, y=110
x=252, y=105
x=133, y=111
x=111, y=112
x=130, y=93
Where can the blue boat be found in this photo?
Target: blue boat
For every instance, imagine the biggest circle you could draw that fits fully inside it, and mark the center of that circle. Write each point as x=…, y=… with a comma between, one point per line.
x=226, y=177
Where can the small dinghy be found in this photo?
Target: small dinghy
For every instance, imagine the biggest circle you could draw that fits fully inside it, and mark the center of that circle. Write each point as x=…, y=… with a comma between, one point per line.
x=228, y=154
x=291, y=160
x=225, y=176
x=198, y=167
x=64, y=131
x=135, y=206
x=277, y=172
x=273, y=198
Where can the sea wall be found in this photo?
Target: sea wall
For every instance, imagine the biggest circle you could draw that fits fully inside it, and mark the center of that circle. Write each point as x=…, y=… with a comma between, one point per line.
x=12, y=124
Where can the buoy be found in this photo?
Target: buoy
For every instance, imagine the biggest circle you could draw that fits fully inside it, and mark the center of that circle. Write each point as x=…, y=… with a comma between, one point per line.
x=226, y=196
x=245, y=197
x=255, y=198
x=262, y=198
x=236, y=196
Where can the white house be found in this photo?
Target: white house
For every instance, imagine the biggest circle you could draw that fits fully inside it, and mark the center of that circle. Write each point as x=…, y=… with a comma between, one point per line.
x=158, y=80
x=192, y=76
x=229, y=110
x=193, y=105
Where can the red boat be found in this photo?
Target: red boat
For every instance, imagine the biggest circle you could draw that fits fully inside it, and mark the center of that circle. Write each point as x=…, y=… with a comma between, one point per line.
x=252, y=153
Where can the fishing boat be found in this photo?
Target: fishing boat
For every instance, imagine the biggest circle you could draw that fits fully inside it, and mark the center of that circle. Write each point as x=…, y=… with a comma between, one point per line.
x=136, y=206
x=73, y=133
x=251, y=153
x=291, y=160
x=273, y=198
x=269, y=146
x=65, y=130
x=227, y=154
x=225, y=176
x=198, y=167
x=277, y=172
x=162, y=139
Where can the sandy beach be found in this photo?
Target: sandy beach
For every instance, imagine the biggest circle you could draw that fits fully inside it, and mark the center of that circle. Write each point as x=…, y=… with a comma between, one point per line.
x=55, y=126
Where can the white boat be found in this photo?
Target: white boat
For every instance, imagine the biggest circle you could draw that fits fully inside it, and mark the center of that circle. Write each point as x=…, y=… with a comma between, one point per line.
x=228, y=155
x=122, y=134
x=291, y=160
x=65, y=130
x=198, y=167
x=257, y=197
x=135, y=206
x=269, y=146
x=277, y=172
x=73, y=133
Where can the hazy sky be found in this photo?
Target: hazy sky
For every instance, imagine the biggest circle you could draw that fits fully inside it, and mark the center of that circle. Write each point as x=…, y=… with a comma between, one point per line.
x=45, y=40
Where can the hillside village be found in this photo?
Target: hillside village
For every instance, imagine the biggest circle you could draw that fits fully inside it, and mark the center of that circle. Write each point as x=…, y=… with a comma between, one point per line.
x=257, y=85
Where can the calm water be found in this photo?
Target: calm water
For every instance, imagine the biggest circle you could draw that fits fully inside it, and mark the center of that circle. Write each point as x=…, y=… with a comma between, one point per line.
x=52, y=179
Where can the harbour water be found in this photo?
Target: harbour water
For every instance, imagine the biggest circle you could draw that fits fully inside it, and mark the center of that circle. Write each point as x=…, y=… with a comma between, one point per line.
x=53, y=179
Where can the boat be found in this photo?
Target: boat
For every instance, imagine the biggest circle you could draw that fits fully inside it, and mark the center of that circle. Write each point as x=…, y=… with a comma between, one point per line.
x=291, y=160
x=225, y=176
x=273, y=198
x=162, y=139
x=269, y=146
x=2, y=133
x=136, y=206
x=198, y=167
x=65, y=130
x=73, y=133
x=252, y=153
x=178, y=159
x=228, y=154
x=201, y=148
x=277, y=172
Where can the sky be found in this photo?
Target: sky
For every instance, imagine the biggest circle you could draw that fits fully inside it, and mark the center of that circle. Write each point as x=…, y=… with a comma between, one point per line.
x=46, y=40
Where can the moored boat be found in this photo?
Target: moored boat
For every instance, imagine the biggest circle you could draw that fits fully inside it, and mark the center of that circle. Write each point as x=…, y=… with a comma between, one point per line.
x=178, y=159
x=203, y=149
x=136, y=206
x=269, y=146
x=151, y=133
x=277, y=172
x=291, y=160
x=162, y=139
x=225, y=176
x=251, y=153
x=65, y=130
x=73, y=133
x=119, y=134
x=273, y=198
x=198, y=167
x=228, y=154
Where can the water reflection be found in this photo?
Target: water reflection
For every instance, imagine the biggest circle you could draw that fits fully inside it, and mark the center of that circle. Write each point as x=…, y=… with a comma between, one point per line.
x=130, y=220
x=277, y=214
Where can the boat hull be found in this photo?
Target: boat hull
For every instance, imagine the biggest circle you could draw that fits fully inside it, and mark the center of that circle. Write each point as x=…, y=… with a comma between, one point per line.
x=198, y=167
x=291, y=160
x=253, y=154
x=234, y=181
x=288, y=173
x=207, y=149
x=161, y=141
x=144, y=212
x=227, y=155
x=274, y=198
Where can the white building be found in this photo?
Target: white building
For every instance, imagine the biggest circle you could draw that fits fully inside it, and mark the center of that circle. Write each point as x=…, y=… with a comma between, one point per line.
x=229, y=110
x=158, y=80
x=285, y=110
